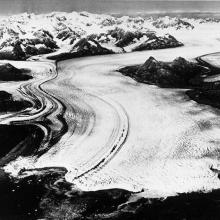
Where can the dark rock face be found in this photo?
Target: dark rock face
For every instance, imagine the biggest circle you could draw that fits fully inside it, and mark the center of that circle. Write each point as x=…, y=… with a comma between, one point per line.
x=209, y=97
x=49, y=196
x=85, y=47
x=7, y=54
x=8, y=104
x=125, y=38
x=20, y=49
x=155, y=72
x=117, y=33
x=44, y=39
x=40, y=34
x=31, y=50
x=85, y=205
x=10, y=73
x=100, y=38
x=12, y=50
x=63, y=35
x=179, y=73
x=67, y=33
x=128, y=38
x=19, y=53
x=44, y=50
x=154, y=42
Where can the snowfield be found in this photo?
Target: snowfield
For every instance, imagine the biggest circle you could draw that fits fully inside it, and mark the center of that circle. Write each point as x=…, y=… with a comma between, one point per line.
x=26, y=35
x=124, y=134
x=165, y=143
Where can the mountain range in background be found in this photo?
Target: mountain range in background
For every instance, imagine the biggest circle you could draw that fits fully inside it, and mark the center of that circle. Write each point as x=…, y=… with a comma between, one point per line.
x=83, y=34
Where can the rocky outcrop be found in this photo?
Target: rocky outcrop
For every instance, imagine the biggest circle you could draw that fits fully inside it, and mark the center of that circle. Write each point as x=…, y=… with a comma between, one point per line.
x=67, y=34
x=41, y=44
x=12, y=50
x=7, y=53
x=21, y=48
x=9, y=73
x=117, y=33
x=22, y=37
x=85, y=47
x=8, y=104
x=128, y=38
x=154, y=42
x=17, y=42
x=208, y=97
x=142, y=40
x=179, y=73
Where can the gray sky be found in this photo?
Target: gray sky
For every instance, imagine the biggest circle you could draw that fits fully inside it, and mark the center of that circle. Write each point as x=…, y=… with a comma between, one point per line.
x=104, y=6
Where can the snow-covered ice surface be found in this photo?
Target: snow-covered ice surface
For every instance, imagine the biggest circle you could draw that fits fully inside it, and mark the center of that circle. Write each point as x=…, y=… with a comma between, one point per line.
x=67, y=28
x=124, y=134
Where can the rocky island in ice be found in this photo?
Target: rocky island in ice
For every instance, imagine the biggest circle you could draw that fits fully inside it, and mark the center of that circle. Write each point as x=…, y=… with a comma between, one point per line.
x=92, y=142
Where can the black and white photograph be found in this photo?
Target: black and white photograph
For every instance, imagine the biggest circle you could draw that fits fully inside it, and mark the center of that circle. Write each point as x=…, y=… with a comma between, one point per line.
x=109, y=110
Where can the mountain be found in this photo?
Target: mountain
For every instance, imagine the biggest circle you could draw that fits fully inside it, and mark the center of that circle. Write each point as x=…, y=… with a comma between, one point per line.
x=25, y=35
x=168, y=22
x=89, y=47
x=10, y=73
x=178, y=73
x=19, y=45
x=158, y=42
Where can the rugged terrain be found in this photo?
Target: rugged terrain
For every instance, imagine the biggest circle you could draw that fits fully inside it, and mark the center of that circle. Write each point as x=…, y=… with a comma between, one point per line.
x=91, y=143
x=178, y=73
x=27, y=35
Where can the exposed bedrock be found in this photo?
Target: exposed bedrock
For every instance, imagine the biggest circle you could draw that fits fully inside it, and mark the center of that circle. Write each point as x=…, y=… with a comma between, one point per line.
x=21, y=48
x=10, y=73
x=208, y=92
x=148, y=40
x=179, y=73
x=9, y=104
x=201, y=78
x=36, y=119
x=154, y=42
x=25, y=142
x=84, y=47
x=49, y=196
x=27, y=129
